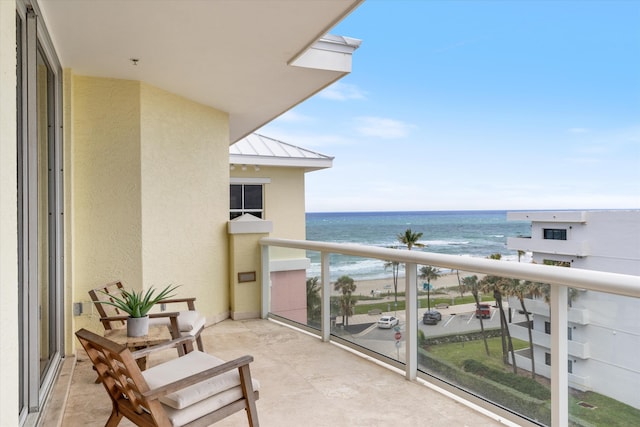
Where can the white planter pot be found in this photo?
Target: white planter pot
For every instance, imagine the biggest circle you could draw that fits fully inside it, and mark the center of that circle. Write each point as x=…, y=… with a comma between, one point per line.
x=138, y=326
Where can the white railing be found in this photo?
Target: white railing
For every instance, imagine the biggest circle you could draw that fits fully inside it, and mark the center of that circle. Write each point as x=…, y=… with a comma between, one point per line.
x=560, y=280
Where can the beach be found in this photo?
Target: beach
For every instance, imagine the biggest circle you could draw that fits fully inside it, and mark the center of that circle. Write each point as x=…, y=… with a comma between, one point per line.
x=382, y=286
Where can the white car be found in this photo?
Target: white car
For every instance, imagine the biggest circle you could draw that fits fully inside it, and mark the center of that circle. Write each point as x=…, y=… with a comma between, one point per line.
x=387, y=322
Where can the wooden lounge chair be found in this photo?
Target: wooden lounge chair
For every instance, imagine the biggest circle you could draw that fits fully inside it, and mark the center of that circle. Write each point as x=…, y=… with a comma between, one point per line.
x=196, y=389
x=190, y=321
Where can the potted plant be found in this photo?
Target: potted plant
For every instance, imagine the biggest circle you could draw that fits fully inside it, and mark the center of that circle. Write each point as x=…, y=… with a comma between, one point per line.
x=137, y=306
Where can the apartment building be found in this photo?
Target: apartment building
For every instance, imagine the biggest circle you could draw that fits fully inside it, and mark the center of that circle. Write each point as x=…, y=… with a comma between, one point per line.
x=604, y=329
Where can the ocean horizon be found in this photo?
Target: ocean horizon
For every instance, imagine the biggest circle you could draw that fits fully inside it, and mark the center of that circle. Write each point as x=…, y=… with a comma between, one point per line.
x=473, y=233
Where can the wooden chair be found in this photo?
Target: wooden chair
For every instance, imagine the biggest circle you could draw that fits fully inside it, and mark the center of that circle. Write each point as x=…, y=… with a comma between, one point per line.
x=190, y=322
x=196, y=389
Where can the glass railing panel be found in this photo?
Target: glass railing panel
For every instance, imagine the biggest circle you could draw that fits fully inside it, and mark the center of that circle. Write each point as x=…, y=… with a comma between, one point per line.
x=474, y=348
x=295, y=296
x=604, y=367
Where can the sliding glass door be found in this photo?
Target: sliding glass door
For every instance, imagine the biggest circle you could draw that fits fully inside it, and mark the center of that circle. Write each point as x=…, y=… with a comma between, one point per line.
x=39, y=212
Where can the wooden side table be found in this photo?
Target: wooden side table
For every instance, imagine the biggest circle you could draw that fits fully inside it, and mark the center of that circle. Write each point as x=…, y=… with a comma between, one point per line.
x=158, y=334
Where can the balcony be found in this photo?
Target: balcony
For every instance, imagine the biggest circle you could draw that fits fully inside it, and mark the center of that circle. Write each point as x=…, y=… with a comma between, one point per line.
x=579, y=248
x=325, y=373
x=303, y=382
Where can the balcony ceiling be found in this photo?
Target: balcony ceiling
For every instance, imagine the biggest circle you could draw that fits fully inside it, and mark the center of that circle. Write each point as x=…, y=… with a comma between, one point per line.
x=230, y=55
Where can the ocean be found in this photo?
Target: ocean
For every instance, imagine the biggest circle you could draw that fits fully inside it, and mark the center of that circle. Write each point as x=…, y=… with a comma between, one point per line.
x=466, y=233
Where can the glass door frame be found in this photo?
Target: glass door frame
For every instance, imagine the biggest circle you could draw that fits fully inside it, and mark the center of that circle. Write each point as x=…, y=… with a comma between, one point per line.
x=34, y=43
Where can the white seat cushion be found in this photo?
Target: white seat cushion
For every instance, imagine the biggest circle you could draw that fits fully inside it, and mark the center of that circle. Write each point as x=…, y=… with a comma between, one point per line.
x=190, y=364
x=188, y=321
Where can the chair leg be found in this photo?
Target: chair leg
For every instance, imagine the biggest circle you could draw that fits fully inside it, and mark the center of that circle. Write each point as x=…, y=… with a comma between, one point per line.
x=114, y=419
x=247, y=391
x=199, y=342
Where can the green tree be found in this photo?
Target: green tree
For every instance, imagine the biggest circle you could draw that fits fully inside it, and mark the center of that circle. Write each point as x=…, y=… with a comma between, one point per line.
x=471, y=282
x=495, y=285
x=522, y=289
x=395, y=267
x=410, y=239
x=345, y=285
x=314, y=300
x=429, y=273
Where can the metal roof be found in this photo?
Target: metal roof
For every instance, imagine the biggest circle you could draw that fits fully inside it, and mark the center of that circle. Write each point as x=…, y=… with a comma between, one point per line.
x=260, y=150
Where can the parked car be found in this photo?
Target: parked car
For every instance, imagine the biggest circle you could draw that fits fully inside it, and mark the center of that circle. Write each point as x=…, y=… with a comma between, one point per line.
x=431, y=317
x=483, y=310
x=387, y=322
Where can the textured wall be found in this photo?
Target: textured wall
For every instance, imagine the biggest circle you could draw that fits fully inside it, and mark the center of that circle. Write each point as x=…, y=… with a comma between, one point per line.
x=148, y=193
x=185, y=198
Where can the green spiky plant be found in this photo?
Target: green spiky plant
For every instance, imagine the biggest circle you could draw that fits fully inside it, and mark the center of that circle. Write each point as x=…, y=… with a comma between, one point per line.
x=138, y=304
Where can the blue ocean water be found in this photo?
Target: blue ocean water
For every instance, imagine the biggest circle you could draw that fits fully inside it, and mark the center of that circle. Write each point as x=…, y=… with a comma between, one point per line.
x=467, y=233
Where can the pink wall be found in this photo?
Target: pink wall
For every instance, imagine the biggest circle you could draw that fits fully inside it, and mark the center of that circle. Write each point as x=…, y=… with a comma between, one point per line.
x=289, y=294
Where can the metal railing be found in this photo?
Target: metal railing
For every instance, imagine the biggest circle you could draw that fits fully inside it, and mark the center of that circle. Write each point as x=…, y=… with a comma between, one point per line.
x=559, y=279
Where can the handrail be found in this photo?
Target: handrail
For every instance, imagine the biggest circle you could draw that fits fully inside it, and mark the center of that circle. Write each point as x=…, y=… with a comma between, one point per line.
x=615, y=283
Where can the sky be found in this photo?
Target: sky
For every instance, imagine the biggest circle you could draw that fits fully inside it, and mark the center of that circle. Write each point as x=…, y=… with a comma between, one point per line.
x=478, y=105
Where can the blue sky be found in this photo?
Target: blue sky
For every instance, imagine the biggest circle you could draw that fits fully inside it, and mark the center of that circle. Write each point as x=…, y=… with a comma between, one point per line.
x=464, y=105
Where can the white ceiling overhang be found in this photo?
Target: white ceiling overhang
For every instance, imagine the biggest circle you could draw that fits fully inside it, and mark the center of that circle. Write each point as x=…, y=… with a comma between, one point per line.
x=254, y=59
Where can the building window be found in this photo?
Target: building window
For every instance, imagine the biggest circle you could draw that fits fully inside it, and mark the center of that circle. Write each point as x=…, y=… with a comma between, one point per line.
x=569, y=333
x=547, y=328
x=547, y=359
x=554, y=234
x=246, y=198
x=570, y=368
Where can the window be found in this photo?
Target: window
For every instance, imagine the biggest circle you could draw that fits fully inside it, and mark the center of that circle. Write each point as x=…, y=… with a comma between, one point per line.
x=570, y=368
x=547, y=359
x=554, y=234
x=246, y=198
x=547, y=328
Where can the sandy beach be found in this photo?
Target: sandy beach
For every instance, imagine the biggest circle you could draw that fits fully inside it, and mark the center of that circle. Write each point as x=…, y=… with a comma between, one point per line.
x=364, y=287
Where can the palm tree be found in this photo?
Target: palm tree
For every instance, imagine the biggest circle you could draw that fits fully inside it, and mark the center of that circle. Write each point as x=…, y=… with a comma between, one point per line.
x=471, y=282
x=522, y=289
x=521, y=253
x=314, y=300
x=429, y=273
x=345, y=285
x=495, y=284
x=395, y=266
x=410, y=239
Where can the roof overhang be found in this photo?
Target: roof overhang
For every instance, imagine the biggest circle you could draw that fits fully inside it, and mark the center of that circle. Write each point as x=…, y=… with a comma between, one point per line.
x=254, y=59
x=260, y=150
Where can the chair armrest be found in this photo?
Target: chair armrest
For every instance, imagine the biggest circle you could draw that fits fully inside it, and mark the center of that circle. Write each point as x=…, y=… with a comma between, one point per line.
x=190, y=302
x=199, y=377
x=138, y=354
x=151, y=315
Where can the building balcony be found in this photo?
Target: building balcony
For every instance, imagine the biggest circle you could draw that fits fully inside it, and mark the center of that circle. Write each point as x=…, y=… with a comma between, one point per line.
x=303, y=380
x=324, y=371
x=578, y=248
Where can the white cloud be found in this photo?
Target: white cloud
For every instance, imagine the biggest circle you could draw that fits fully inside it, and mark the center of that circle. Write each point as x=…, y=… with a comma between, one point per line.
x=342, y=92
x=382, y=128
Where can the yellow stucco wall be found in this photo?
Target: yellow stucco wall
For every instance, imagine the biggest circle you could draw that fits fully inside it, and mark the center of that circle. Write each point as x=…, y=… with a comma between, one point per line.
x=245, y=257
x=8, y=217
x=284, y=204
x=106, y=231
x=148, y=193
x=185, y=198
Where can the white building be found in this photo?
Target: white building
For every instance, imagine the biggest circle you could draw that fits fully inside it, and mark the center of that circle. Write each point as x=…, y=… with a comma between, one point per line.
x=604, y=329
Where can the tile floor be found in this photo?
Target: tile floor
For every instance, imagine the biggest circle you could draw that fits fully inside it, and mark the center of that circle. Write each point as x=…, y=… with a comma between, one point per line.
x=304, y=382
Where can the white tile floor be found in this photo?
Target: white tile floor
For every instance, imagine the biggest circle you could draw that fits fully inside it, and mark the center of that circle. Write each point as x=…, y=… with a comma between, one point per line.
x=304, y=382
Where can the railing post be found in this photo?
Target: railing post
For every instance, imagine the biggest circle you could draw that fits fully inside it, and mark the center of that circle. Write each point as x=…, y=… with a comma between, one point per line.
x=326, y=294
x=411, y=322
x=559, y=357
x=266, y=282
